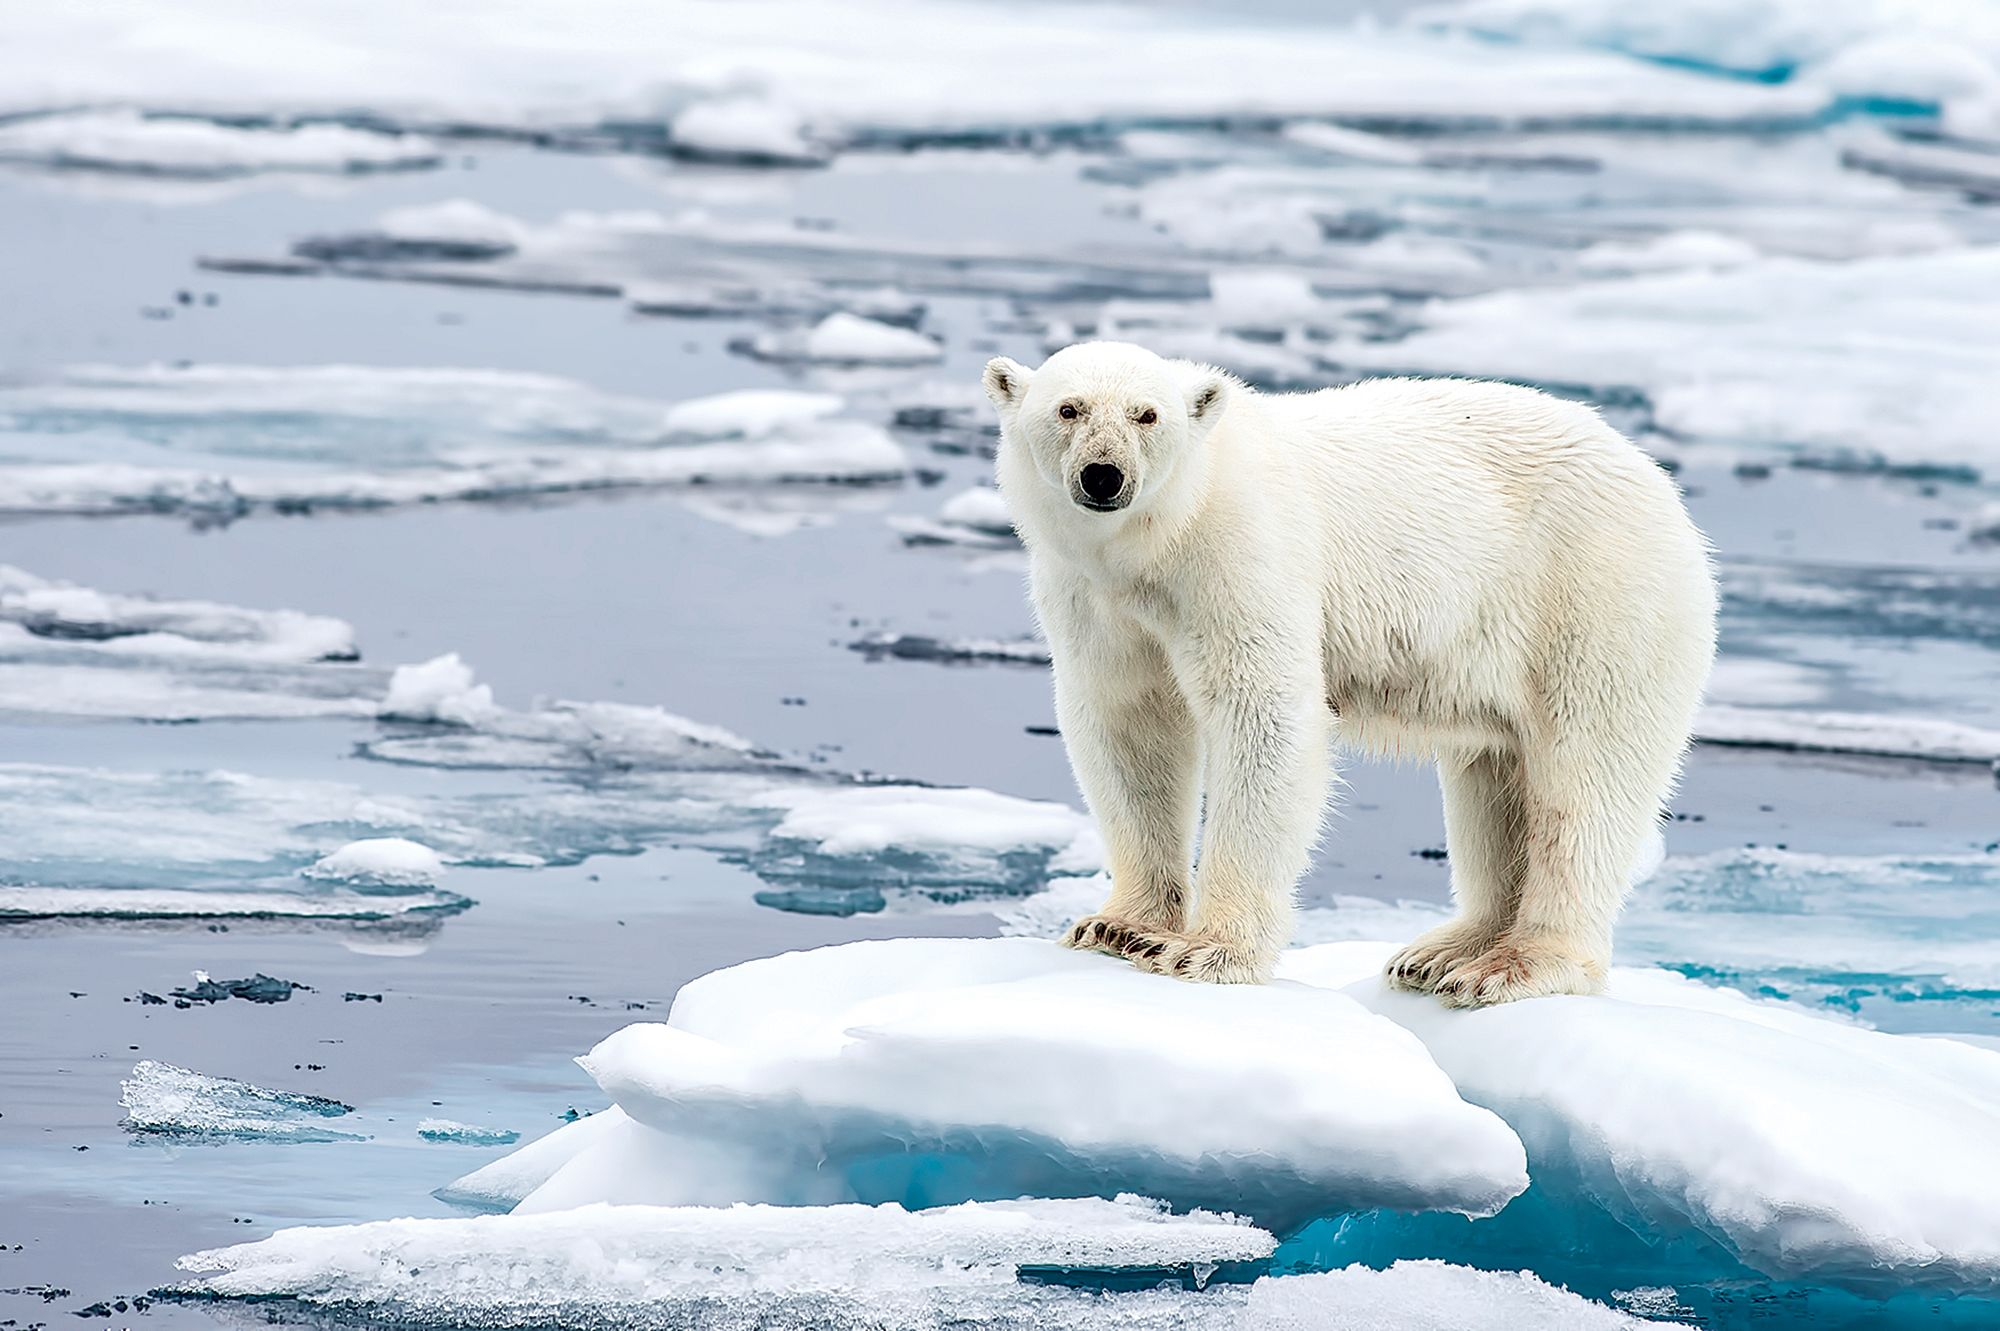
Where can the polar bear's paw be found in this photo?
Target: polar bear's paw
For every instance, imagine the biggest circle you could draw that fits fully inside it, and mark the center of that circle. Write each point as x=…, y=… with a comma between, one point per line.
x=1436, y=953
x=1199, y=958
x=1105, y=933
x=1519, y=968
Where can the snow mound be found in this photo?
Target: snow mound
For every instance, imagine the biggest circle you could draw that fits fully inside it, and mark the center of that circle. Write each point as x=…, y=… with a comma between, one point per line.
x=1807, y=1149
x=165, y=1100
x=976, y=518
x=126, y=141
x=379, y=862
x=928, y=1071
x=848, y=339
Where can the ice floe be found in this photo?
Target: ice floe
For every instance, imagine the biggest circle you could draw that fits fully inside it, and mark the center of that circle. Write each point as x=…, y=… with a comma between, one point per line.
x=848, y=339
x=126, y=141
x=936, y=1070
x=975, y=518
x=653, y=1266
x=1765, y=353
x=395, y=863
x=1865, y=734
x=452, y=1132
x=952, y=651
x=1944, y=54
x=1804, y=1148
x=143, y=626
x=163, y=1100
x=223, y=440
x=892, y=72
x=221, y=902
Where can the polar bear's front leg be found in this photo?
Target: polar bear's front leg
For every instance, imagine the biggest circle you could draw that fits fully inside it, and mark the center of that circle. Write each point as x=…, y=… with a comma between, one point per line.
x=1266, y=731
x=1133, y=746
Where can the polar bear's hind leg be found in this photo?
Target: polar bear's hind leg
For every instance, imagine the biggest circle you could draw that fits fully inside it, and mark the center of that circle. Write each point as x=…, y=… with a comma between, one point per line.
x=1485, y=824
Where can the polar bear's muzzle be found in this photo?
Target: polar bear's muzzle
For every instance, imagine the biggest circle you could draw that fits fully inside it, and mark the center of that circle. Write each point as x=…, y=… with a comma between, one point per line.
x=1101, y=487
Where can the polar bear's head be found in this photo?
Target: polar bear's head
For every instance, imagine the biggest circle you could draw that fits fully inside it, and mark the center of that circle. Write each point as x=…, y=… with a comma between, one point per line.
x=1106, y=422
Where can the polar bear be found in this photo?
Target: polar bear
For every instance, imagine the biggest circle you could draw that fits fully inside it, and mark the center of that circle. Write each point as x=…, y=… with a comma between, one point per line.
x=1230, y=581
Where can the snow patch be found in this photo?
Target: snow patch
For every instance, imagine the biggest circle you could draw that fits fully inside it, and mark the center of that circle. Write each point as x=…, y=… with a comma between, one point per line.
x=379, y=862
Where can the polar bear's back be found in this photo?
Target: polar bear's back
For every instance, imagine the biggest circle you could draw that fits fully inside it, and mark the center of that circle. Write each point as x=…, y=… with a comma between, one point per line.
x=1469, y=529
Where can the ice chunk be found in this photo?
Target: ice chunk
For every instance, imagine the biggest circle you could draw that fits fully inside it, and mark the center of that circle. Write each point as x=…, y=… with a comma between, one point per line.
x=396, y=863
x=848, y=339
x=1423, y=1296
x=440, y=689
x=144, y=626
x=751, y=130
x=752, y=413
x=951, y=651
x=1807, y=1149
x=464, y=1134
x=203, y=149
x=680, y=1266
x=1263, y=297
x=942, y=844
x=75, y=651
x=976, y=518
x=170, y=1101
x=933, y=1070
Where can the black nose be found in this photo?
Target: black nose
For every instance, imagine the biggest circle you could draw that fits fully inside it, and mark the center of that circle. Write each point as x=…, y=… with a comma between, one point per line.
x=1101, y=482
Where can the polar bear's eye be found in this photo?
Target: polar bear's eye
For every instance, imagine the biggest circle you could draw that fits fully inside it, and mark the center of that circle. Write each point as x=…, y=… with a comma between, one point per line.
x=1066, y=411
x=1148, y=416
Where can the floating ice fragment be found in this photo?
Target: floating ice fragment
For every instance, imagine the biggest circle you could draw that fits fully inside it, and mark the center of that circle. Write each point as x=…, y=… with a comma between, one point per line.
x=848, y=339
x=1807, y=1149
x=126, y=141
x=934, y=1070
x=259, y=988
x=501, y=1184
x=225, y=440
x=651, y=1266
x=944, y=844
x=976, y=517
x=172, y=1101
x=951, y=651
x=749, y=130
x=465, y=1134
x=1875, y=735
x=375, y=863
x=751, y=413
x=141, y=626
x=220, y=903
x=440, y=689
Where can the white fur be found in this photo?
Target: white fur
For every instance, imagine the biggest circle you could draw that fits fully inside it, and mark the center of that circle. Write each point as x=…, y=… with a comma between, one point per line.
x=1473, y=572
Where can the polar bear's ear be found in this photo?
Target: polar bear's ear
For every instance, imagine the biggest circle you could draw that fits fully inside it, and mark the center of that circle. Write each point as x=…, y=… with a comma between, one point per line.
x=1207, y=399
x=1005, y=381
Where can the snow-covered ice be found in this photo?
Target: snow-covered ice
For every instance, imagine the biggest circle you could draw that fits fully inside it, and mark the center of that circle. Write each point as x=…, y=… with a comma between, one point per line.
x=224, y=440
x=452, y=1132
x=1766, y=353
x=1875, y=735
x=396, y=863
x=848, y=339
x=219, y=903
x=164, y=1100
x=881, y=1266
x=145, y=626
x=892, y=70
x=937, y=1070
x=126, y=141
x=975, y=518
x=1805, y=1148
